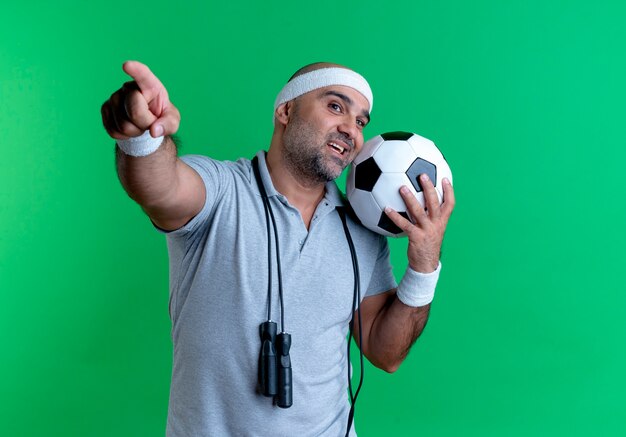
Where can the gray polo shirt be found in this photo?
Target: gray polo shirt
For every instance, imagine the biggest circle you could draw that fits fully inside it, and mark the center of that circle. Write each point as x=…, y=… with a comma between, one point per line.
x=218, y=298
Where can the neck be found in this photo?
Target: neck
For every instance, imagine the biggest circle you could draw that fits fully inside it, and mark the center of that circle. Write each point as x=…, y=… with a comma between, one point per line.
x=300, y=193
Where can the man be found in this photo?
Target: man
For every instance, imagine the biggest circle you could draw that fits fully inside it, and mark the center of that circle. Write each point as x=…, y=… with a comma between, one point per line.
x=214, y=218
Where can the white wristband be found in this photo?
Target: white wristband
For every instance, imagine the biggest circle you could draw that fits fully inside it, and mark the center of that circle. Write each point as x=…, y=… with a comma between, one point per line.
x=142, y=145
x=418, y=289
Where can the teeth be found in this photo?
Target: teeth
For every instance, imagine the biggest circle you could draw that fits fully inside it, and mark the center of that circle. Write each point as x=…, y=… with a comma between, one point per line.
x=337, y=147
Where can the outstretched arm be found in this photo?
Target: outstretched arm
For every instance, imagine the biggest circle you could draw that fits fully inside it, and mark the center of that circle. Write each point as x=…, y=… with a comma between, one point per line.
x=168, y=190
x=391, y=323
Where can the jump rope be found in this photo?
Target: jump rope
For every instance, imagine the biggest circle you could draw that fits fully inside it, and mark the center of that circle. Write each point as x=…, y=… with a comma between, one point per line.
x=275, y=373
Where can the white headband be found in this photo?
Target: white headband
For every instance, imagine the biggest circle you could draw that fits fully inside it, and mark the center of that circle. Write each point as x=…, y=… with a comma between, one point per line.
x=324, y=77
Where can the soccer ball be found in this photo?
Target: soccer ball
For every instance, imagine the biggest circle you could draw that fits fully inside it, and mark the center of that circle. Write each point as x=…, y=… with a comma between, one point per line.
x=384, y=164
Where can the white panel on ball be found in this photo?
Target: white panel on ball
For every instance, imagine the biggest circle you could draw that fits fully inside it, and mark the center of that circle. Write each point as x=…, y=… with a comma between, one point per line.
x=366, y=208
x=368, y=149
x=387, y=191
x=394, y=156
x=426, y=149
x=419, y=141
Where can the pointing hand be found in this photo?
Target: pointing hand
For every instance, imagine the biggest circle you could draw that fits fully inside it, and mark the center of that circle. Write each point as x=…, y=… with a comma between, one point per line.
x=139, y=105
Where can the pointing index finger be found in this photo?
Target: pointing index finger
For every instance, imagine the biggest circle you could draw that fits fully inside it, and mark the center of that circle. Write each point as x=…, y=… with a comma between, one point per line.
x=149, y=86
x=146, y=80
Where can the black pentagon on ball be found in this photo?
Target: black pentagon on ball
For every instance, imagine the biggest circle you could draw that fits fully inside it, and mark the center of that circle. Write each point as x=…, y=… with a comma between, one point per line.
x=389, y=226
x=398, y=136
x=367, y=174
x=418, y=167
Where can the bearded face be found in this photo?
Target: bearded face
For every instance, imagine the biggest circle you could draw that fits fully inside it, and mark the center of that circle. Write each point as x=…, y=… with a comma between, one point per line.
x=311, y=153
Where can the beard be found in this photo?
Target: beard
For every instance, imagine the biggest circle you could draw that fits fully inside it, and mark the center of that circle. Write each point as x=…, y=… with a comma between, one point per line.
x=306, y=154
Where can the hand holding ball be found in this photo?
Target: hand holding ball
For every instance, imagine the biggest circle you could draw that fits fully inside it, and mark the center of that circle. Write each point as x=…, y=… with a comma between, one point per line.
x=386, y=163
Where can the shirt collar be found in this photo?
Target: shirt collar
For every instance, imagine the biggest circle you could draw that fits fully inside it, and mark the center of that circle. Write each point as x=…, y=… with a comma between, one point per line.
x=265, y=175
x=332, y=194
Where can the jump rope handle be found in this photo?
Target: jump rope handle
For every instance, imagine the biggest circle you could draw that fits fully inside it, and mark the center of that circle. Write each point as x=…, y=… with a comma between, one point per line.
x=267, y=359
x=284, y=398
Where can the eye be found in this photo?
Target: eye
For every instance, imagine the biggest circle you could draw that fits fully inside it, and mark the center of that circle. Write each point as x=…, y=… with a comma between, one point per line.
x=335, y=106
x=361, y=123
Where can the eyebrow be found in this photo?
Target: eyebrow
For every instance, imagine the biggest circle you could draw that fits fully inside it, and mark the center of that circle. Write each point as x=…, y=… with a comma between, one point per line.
x=347, y=100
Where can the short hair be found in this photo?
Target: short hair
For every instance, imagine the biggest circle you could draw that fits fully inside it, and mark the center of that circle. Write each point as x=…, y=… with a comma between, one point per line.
x=315, y=66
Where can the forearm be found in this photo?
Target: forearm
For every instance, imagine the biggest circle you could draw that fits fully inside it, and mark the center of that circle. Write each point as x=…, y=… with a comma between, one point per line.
x=167, y=189
x=393, y=332
x=149, y=180
x=392, y=321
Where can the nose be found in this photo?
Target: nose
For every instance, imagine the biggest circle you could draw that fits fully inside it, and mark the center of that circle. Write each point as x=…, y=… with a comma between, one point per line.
x=350, y=130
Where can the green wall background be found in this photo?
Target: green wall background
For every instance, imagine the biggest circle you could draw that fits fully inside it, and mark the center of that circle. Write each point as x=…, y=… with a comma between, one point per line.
x=525, y=98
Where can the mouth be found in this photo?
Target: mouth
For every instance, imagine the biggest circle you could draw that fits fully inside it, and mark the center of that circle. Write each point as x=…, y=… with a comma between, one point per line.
x=338, y=147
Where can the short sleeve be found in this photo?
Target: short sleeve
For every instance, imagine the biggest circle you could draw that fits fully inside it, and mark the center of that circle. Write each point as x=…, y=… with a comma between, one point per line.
x=214, y=175
x=382, y=278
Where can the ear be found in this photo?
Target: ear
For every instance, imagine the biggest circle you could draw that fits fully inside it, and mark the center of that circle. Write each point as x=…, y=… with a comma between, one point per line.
x=283, y=112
